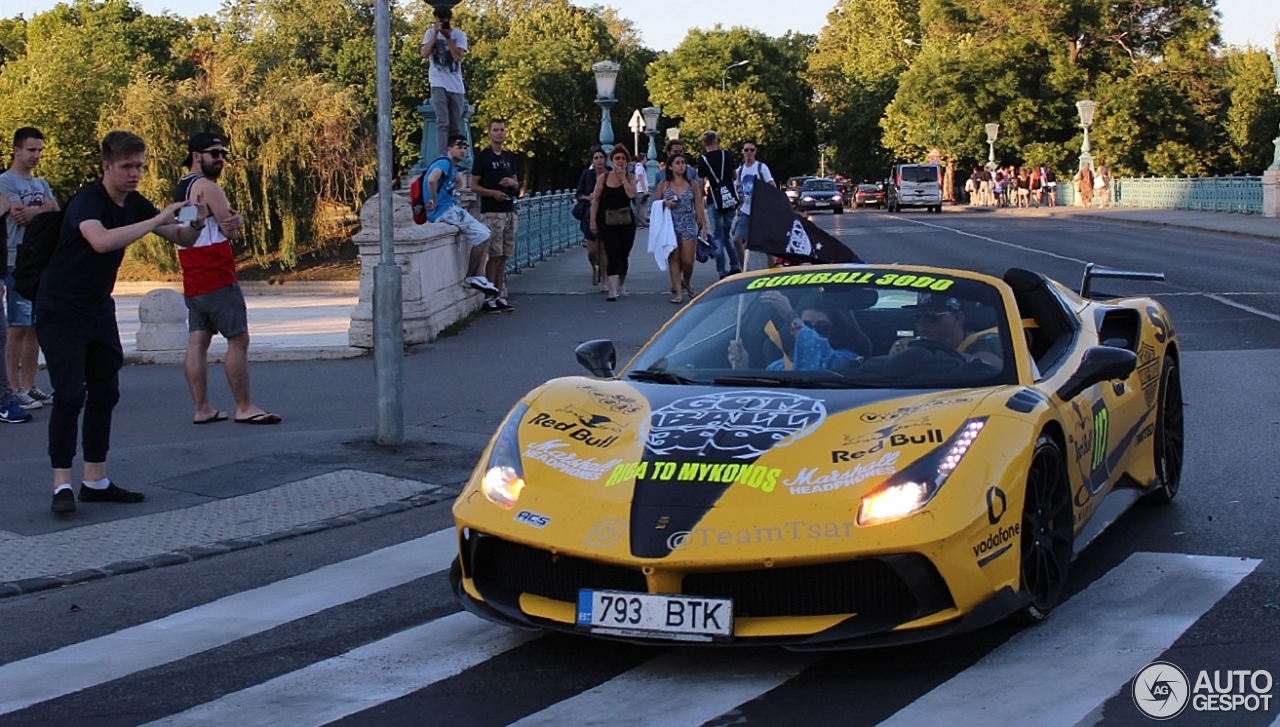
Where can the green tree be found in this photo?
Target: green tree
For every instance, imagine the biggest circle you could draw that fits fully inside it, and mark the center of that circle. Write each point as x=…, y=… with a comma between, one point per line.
x=767, y=100
x=1253, y=115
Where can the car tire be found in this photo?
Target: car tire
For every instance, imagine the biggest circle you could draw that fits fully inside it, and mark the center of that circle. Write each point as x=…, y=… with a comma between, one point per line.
x=1168, y=441
x=837, y=210
x=1046, y=540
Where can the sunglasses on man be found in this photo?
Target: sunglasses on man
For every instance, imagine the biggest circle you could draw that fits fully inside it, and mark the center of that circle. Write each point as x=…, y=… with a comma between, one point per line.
x=216, y=153
x=932, y=317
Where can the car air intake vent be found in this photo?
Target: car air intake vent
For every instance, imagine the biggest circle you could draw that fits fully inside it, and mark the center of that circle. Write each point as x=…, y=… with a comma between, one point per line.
x=870, y=587
x=522, y=569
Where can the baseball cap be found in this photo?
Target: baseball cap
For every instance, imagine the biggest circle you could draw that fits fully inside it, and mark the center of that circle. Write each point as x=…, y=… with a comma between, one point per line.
x=202, y=140
x=937, y=303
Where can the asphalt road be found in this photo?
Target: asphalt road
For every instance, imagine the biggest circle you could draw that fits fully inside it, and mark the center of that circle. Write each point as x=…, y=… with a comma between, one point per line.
x=1223, y=296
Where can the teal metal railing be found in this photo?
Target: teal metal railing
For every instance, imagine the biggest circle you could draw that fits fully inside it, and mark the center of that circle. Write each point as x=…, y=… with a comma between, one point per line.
x=544, y=227
x=1200, y=194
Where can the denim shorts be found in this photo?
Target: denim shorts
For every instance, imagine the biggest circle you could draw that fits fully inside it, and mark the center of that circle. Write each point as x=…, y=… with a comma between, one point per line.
x=17, y=308
x=741, y=227
x=473, y=230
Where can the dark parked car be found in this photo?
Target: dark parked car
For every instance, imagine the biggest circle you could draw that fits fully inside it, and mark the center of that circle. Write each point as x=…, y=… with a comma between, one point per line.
x=793, y=188
x=869, y=195
x=820, y=194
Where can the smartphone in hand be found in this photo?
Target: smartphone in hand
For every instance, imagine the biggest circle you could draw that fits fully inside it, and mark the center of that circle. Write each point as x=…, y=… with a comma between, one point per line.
x=187, y=214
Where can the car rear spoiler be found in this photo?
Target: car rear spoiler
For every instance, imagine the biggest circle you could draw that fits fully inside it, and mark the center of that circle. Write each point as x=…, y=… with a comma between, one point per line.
x=1092, y=271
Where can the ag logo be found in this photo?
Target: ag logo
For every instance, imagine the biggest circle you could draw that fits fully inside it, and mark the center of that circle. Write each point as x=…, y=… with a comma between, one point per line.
x=1160, y=690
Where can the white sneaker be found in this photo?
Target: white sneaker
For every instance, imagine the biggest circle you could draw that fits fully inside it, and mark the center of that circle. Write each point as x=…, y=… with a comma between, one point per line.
x=26, y=402
x=480, y=283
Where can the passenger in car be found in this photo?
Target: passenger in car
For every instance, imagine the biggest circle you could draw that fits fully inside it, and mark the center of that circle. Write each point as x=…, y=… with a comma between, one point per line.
x=814, y=335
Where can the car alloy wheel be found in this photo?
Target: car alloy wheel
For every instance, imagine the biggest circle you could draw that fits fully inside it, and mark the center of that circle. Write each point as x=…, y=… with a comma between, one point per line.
x=1046, y=536
x=1168, y=439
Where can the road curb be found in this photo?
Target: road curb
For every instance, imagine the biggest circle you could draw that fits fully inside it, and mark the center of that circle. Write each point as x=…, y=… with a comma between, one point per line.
x=291, y=353
x=9, y=589
x=128, y=288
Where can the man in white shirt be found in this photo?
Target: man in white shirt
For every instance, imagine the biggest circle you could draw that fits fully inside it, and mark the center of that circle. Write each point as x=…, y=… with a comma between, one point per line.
x=443, y=46
x=642, y=191
x=745, y=179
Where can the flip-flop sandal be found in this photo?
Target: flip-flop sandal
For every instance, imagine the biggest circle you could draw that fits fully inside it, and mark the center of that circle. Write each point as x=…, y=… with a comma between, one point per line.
x=263, y=418
x=218, y=416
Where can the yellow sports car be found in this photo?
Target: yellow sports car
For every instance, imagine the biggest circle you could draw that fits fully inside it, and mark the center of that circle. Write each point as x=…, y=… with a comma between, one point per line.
x=827, y=457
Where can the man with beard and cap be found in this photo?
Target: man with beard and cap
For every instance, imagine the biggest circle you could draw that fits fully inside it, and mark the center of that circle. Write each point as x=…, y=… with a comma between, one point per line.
x=215, y=303
x=941, y=319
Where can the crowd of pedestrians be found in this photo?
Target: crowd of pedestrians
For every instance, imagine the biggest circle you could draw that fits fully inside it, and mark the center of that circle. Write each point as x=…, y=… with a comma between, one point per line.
x=704, y=204
x=1036, y=186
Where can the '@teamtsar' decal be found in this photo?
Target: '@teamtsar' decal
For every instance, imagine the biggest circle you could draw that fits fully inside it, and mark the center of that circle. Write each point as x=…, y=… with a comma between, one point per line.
x=699, y=446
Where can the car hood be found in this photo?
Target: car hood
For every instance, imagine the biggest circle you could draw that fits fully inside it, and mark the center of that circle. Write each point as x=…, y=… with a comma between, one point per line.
x=664, y=456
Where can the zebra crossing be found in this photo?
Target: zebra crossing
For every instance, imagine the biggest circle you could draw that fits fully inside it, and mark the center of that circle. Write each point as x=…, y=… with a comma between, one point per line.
x=1082, y=657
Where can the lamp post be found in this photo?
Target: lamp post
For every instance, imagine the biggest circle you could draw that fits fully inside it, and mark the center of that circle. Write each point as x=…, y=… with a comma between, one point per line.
x=932, y=100
x=1275, y=66
x=993, y=131
x=1086, y=109
x=606, y=82
x=731, y=66
x=651, y=115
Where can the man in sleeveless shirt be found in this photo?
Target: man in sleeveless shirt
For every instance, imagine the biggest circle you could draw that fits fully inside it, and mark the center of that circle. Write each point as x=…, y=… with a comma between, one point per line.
x=215, y=303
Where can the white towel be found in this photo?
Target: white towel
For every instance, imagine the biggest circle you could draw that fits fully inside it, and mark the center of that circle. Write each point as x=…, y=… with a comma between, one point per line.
x=662, y=233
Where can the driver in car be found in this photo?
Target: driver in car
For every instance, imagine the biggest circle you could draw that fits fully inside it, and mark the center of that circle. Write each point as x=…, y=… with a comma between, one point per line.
x=940, y=321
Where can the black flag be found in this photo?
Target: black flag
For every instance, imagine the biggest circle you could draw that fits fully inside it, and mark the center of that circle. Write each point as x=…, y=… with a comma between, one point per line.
x=777, y=230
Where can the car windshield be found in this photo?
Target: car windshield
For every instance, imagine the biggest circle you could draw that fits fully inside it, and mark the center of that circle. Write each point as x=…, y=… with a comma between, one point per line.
x=819, y=185
x=868, y=188
x=851, y=326
x=919, y=174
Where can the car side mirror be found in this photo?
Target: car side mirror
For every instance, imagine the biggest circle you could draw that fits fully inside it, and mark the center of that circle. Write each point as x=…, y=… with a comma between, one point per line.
x=598, y=356
x=1100, y=363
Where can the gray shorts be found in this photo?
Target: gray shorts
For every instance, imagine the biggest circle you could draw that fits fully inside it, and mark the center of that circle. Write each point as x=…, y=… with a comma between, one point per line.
x=218, y=311
x=741, y=227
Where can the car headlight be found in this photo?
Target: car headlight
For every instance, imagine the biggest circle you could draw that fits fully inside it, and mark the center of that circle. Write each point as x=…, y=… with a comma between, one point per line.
x=837, y=198
x=806, y=198
x=503, y=479
x=912, y=488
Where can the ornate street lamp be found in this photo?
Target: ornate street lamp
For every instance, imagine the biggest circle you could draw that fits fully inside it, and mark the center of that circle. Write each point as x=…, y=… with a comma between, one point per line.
x=1086, y=109
x=730, y=67
x=993, y=130
x=606, y=82
x=1275, y=66
x=651, y=115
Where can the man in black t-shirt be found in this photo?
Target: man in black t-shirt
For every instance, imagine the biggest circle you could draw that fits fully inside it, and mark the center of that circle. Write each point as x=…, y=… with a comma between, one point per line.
x=716, y=169
x=76, y=317
x=493, y=179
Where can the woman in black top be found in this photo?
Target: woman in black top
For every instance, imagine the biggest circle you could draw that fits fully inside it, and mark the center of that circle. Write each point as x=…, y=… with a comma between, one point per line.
x=586, y=190
x=612, y=219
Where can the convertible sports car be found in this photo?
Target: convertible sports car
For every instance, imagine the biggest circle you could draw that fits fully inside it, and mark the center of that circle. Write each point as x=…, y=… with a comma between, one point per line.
x=827, y=457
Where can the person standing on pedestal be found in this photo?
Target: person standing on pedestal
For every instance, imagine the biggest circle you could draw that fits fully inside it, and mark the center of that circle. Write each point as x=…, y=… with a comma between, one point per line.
x=443, y=46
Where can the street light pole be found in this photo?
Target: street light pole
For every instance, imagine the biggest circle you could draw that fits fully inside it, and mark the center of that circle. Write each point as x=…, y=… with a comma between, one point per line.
x=725, y=74
x=993, y=130
x=1086, y=109
x=606, y=82
x=651, y=115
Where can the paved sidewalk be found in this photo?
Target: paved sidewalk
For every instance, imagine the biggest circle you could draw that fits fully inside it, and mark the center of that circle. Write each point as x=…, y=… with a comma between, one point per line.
x=221, y=487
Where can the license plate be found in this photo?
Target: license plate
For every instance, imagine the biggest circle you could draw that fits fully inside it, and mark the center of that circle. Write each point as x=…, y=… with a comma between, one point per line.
x=821, y=204
x=654, y=615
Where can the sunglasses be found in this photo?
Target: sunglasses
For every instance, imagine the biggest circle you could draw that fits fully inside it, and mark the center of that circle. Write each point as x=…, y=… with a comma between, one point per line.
x=460, y=144
x=216, y=153
x=746, y=149
x=932, y=317
x=822, y=328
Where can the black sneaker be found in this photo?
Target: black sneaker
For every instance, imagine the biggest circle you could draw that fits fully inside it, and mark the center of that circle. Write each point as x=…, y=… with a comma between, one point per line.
x=64, y=501
x=491, y=306
x=110, y=494
x=503, y=305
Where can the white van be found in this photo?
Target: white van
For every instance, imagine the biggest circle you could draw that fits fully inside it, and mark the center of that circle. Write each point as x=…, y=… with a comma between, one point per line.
x=915, y=185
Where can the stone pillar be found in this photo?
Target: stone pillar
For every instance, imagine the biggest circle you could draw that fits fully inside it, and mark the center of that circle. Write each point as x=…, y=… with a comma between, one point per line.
x=432, y=261
x=428, y=151
x=162, y=318
x=1271, y=193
